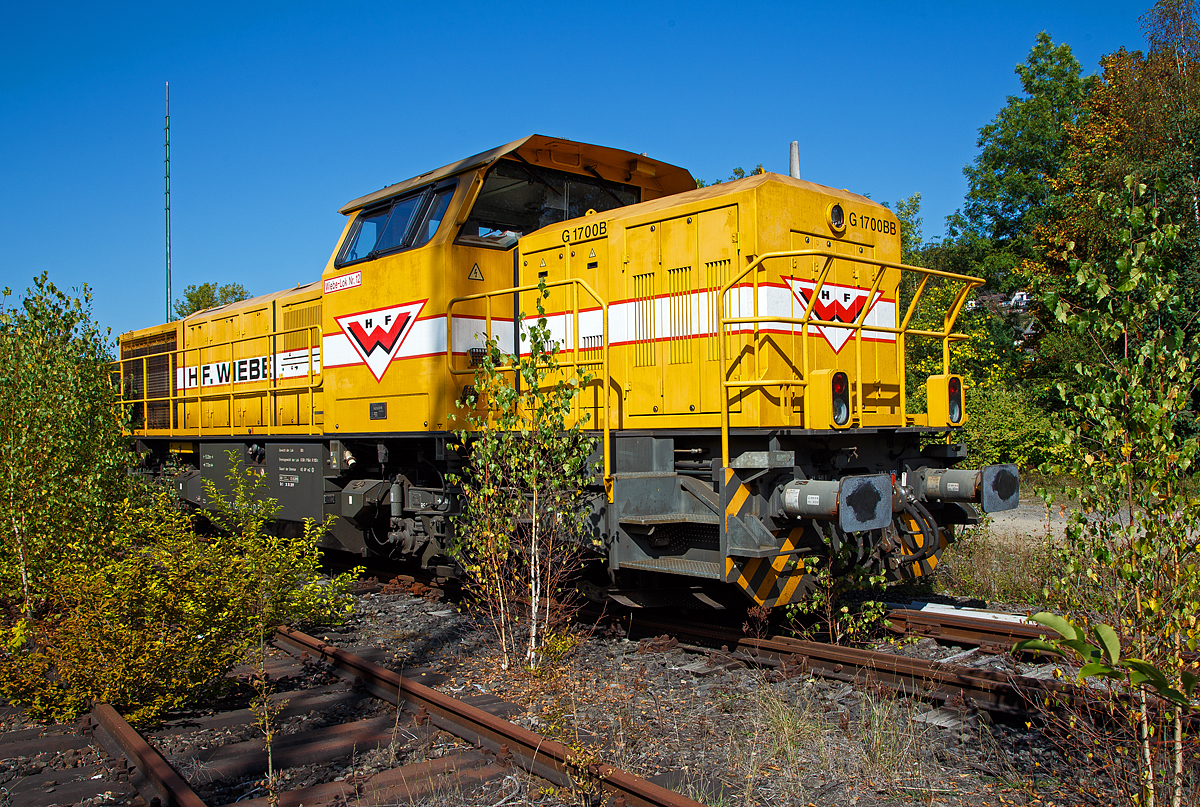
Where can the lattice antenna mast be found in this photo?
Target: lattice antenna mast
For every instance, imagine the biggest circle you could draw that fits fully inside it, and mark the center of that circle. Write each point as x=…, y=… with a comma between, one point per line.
x=167, y=129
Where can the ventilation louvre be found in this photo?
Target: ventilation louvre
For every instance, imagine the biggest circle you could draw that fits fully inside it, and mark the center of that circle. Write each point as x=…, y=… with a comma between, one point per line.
x=643, y=320
x=308, y=316
x=681, y=316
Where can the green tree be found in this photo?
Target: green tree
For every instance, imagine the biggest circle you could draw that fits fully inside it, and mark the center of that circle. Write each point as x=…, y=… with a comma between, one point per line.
x=1130, y=557
x=1141, y=117
x=208, y=295
x=738, y=173
x=908, y=213
x=1021, y=149
x=62, y=453
x=523, y=528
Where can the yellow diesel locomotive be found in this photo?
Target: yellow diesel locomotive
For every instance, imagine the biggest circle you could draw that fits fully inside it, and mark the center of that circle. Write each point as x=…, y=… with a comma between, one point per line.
x=746, y=343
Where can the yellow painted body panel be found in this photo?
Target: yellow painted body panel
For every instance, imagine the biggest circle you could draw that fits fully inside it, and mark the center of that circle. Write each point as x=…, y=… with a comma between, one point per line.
x=241, y=369
x=661, y=266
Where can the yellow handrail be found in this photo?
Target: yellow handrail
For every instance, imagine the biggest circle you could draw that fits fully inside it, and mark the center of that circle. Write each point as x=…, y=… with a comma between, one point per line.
x=858, y=326
x=174, y=398
x=576, y=284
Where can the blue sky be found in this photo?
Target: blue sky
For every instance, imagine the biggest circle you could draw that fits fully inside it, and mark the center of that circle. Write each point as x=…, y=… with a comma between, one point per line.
x=282, y=112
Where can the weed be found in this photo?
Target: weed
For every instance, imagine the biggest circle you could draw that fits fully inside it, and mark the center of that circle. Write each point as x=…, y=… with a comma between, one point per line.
x=892, y=740
x=790, y=729
x=989, y=567
x=845, y=623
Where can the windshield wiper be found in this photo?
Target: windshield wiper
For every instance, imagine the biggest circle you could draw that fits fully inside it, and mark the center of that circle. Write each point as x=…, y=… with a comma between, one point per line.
x=528, y=169
x=591, y=169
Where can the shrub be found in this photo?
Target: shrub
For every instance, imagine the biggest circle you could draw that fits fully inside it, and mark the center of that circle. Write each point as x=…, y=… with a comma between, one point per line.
x=1007, y=424
x=108, y=592
x=521, y=533
x=160, y=622
x=1130, y=557
x=62, y=455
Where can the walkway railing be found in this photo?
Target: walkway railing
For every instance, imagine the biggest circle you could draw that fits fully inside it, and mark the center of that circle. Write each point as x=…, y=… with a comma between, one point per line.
x=946, y=335
x=136, y=374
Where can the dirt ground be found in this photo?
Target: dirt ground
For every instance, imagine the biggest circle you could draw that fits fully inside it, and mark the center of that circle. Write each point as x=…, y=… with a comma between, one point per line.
x=725, y=733
x=1031, y=519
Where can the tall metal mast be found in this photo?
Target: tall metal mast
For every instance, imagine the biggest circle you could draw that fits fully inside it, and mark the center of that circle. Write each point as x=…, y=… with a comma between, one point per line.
x=167, y=128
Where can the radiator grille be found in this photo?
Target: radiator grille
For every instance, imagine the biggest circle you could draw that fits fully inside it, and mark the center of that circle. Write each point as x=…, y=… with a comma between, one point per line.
x=643, y=320
x=149, y=378
x=308, y=316
x=679, y=303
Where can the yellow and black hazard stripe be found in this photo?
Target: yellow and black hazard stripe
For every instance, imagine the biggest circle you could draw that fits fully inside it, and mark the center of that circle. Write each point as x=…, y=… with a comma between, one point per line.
x=738, y=500
x=772, y=581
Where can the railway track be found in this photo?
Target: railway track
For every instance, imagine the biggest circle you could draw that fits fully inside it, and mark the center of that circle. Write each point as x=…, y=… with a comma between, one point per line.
x=474, y=745
x=959, y=687
x=990, y=632
x=945, y=684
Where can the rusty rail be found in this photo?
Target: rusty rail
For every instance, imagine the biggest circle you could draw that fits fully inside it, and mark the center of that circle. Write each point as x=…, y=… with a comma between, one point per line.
x=989, y=635
x=544, y=758
x=157, y=780
x=990, y=691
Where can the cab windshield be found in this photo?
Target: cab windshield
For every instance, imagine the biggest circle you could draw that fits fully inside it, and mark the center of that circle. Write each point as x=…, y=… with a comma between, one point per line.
x=518, y=198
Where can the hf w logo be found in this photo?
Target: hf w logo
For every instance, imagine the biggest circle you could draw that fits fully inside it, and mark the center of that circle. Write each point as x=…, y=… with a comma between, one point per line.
x=842, y=304
x=377, y=335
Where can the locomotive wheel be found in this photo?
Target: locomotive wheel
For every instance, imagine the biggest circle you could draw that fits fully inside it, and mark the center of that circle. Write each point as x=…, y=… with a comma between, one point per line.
x=913, y=540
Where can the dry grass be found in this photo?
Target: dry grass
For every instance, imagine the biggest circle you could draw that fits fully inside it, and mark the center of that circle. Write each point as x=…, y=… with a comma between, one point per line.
x=793, y=748
x=891, y=740
x=994, y=568
x=748, y=738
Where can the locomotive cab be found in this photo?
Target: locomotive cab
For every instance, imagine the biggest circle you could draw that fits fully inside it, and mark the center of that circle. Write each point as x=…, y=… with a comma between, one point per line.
x=444, y=234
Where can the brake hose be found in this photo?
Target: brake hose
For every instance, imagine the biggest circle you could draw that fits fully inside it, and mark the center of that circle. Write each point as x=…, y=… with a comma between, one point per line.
x=928, y=528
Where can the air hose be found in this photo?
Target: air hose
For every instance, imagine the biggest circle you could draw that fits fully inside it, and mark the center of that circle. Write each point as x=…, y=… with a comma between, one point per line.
x=926, y=525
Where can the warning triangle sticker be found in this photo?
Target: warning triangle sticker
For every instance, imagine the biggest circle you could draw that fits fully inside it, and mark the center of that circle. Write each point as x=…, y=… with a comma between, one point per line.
x=377, y=335
x=592, y=254
x=543, y=263
x=475, y=273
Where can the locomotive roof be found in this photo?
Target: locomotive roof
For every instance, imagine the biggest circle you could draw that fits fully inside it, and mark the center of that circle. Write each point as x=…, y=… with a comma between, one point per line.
x=252, y=302
x=746, y=183
x=668, y=178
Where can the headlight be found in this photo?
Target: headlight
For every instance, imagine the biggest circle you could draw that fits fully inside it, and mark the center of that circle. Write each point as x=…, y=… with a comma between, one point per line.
x=837, y=217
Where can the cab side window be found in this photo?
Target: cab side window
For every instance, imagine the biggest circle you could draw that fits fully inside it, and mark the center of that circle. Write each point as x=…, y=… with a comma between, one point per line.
x=434, y=215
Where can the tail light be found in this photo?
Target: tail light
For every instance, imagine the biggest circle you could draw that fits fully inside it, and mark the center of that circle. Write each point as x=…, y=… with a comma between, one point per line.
x=954, y=399
x=839, y=389
x=944, y=394
x=827, y=400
